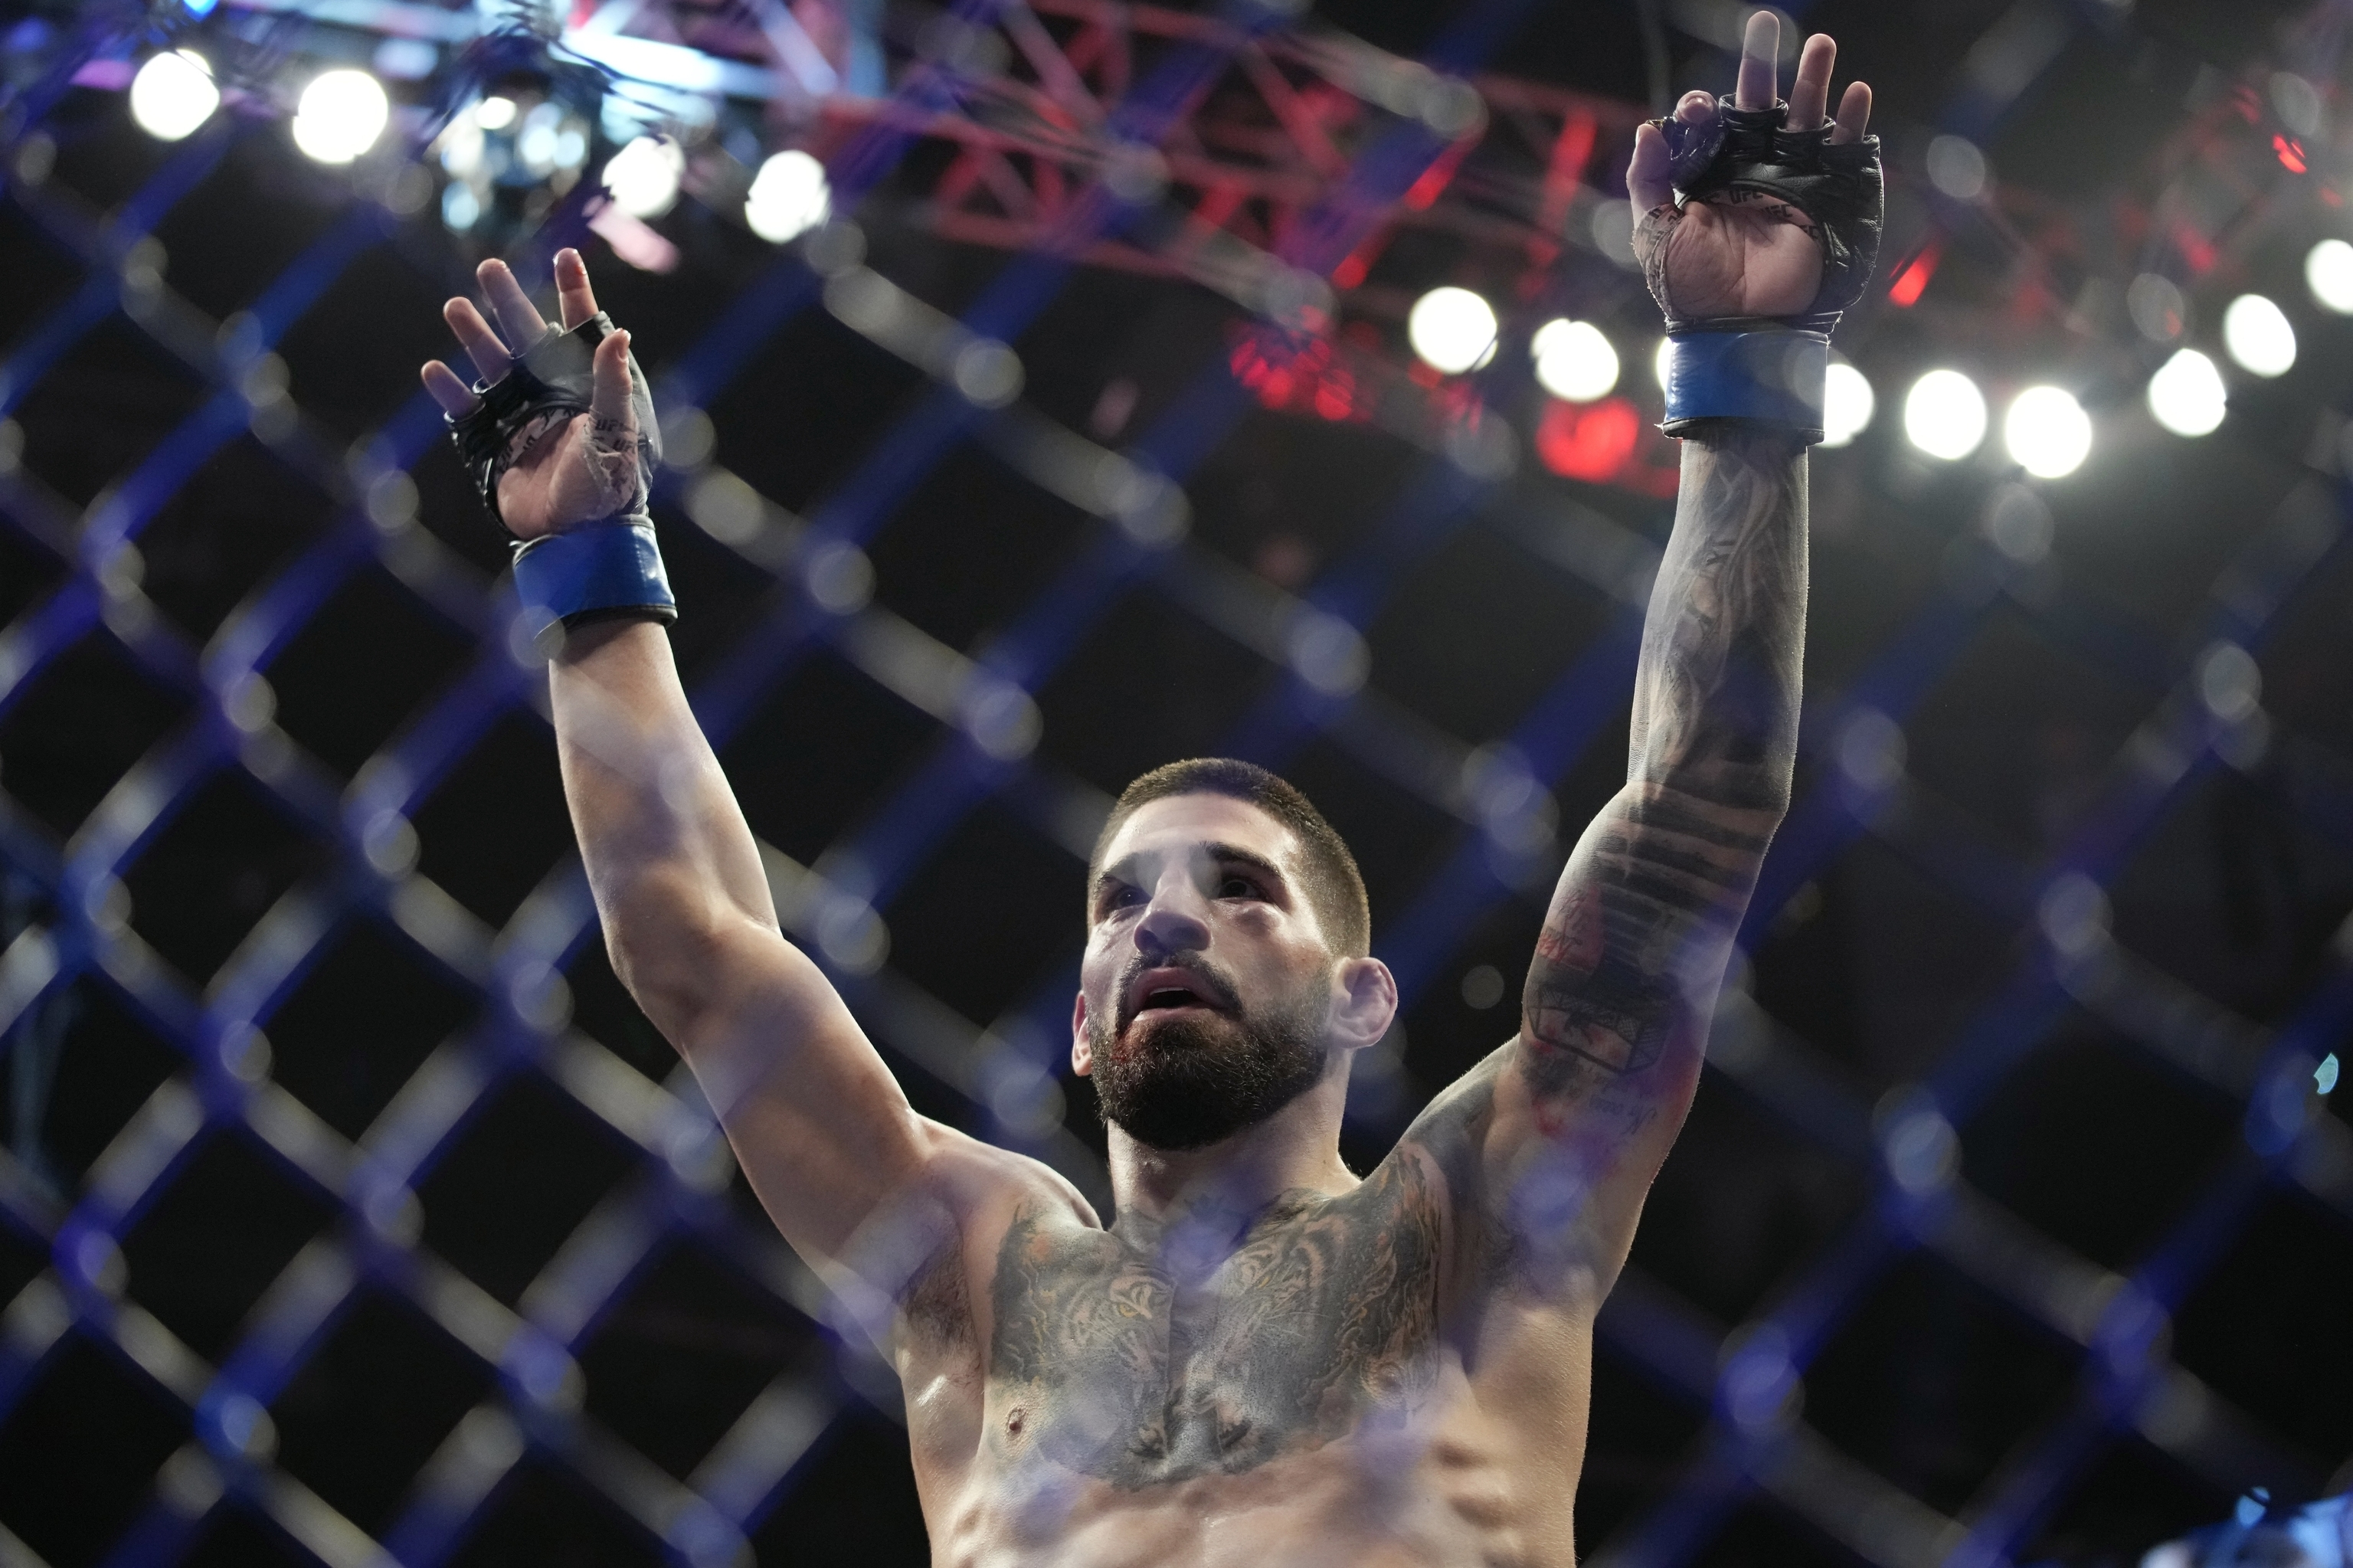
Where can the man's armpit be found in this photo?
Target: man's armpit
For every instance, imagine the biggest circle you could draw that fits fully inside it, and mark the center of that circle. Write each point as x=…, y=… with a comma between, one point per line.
x=937, y=1303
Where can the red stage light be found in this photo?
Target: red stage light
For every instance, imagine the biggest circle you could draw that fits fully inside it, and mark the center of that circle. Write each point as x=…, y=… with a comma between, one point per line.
x=1913, y=281
x=1592, y=441
x=2291, y=152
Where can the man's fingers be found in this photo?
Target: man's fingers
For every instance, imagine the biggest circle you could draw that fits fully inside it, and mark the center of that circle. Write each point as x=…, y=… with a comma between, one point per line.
x=519, y=320
x=1809, y=95
x=454, y=396
x=1758, y=52
x=610, y=399
x=572, y=290
x=1695, y=108
x=482, y=346
x=1647, y=180
x=1854, y=113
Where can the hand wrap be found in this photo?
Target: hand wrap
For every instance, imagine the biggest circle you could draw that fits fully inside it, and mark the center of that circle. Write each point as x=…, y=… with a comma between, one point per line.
x=606, y=569
x=1765, y=369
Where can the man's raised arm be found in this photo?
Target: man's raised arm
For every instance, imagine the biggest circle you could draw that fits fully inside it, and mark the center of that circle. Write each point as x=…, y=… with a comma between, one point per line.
x=823, y=1131
x=1754, y=230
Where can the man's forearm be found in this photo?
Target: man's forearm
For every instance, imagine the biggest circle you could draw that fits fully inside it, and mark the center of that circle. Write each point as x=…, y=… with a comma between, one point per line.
x=668, y=852
x=1715, y=695
x=1636, y=939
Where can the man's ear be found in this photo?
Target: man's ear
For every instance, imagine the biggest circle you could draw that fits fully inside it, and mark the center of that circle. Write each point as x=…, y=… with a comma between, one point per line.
x=1368, y=1003
x=1082, y=1055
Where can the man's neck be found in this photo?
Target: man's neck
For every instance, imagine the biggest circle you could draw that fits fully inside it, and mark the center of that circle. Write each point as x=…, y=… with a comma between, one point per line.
x=1215, y=1192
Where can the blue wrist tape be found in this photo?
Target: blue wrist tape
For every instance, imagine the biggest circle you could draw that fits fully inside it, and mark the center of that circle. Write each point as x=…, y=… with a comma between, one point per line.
x=608, y=571
x=1772, y=378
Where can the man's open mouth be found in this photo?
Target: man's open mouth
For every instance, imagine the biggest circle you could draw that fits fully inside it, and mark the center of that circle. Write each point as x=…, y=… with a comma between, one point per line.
x=1172, y=989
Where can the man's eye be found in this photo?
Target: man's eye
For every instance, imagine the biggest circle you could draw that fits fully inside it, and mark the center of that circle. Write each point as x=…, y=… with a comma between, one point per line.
x=1238, y=888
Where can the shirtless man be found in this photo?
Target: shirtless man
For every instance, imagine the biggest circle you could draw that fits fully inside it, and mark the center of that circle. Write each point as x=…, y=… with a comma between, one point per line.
x=1262, y=1360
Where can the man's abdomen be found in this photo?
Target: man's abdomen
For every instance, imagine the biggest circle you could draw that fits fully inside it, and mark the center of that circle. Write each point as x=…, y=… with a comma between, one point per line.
x=1435, y=1487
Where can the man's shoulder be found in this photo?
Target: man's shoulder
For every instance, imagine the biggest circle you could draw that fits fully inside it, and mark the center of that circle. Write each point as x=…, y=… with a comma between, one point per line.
x=987, y=1186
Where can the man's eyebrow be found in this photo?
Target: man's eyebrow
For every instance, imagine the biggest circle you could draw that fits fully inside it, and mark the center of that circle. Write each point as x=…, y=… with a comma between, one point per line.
x=1247, y=857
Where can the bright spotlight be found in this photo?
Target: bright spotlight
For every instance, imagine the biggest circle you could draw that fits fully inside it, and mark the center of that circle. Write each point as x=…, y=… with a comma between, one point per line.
x=172, y=94
x=1453, y=329
x=340, y=114
x=1847, y=404
x=643, y=176
x=495, y=113
x=1574, y=361
x=2258, y=335
x=1659, y=358
x=2047, y=432
x=2186, y=395
x=1945, y=415
x=789, y=196
x=2328, y=268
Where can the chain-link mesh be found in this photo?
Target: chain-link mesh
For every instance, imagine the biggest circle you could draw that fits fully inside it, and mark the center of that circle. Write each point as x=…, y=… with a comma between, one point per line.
x=271, y=1022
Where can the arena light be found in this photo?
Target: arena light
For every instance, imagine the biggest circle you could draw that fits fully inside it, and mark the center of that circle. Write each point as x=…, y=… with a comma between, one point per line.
x=2047, y=432
x=789, y=196
x=2328, y=272
x=643, y=176
x=172, y=94
x=2258, y=335
x=1848, y=403
x=1659, y=358
x=2186, y=395
x=1945, y=415
x=1574, y=361
x=1453, y=329
x=340, y=115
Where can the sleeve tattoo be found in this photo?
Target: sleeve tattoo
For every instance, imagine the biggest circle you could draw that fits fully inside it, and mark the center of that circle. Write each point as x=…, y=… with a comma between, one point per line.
x=1648, y=907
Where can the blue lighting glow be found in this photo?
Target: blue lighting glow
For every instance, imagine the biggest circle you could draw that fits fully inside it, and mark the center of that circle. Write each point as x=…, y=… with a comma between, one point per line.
x=199, y=7
x=2324, y=1078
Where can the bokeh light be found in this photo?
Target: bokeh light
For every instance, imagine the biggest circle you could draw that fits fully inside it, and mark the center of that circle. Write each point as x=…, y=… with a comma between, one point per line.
x=643, y=176
x=2258, y=335
x=2187, y=396
x=1945, y=415
x=1848, y=403
x=172, y=94
x=2328, y=272
x=340, y=115
x=2047, y=432
x=788, y=196
x=1574, y=360
x=1453, y=329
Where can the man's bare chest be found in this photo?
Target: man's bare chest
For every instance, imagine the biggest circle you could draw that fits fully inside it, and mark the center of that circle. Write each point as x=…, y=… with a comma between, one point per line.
x=1208, y=1352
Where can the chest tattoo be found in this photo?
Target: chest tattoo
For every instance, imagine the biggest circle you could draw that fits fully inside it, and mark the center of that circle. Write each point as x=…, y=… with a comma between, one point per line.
x=1144, y=1364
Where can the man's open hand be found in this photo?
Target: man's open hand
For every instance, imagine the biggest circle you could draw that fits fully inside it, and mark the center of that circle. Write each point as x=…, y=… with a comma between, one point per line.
x=564, y=470
x=1737, y=253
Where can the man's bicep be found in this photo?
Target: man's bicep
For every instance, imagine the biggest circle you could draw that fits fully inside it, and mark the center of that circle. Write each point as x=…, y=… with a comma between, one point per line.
x=1589, y=1096
x=821, y=1128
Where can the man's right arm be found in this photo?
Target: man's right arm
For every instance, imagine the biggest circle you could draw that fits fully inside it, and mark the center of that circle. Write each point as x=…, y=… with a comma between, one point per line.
x=822, y=1129
x=858, y=1184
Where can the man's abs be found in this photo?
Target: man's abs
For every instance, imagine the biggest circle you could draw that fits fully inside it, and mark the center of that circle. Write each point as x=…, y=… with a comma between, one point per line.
x=1443, y=1489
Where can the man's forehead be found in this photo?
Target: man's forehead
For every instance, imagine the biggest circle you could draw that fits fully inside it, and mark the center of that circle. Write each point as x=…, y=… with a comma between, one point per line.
x=1183, y=823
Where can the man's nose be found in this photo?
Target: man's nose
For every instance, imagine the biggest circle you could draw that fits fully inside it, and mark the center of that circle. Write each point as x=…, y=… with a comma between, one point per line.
x=1176, y=921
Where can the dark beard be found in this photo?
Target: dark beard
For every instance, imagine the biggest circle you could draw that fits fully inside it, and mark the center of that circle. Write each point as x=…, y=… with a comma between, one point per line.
x=1186, y=1083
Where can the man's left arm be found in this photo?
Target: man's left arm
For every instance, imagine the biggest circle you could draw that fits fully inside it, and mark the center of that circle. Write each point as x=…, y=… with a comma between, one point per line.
x=1756, y=226
x=1634, y=945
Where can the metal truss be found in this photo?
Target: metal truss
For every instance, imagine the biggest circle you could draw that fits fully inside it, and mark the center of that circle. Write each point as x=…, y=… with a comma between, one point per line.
x=811, y=573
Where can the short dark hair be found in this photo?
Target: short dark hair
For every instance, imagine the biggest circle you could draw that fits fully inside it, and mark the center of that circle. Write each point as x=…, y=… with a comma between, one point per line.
x=1336, y=888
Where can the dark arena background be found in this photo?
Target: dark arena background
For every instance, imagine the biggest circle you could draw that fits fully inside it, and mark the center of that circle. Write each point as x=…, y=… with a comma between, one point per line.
x=1044, y=397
